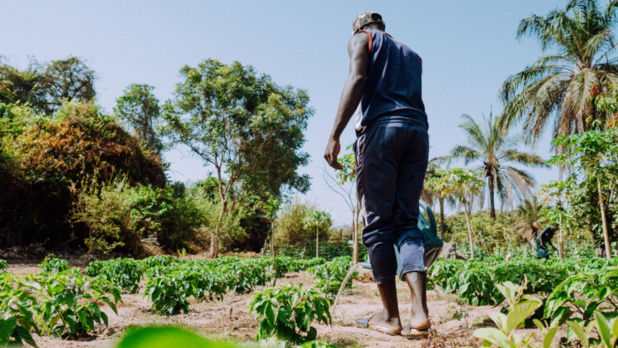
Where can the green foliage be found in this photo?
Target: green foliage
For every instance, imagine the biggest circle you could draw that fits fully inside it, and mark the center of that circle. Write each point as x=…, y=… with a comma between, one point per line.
x=593, y=157
x=17, y=316
x=3, y=265
x=170, y=292
x=328, y=277
x=556, y=89
x=474, y=281
x=492, y=148
x=585, y=292
x=504, y=335
x=288, y=312
x=56, y=154
x=70, y=303
x=166, y=337
x=54, y=265
x=265, y=123
x=45, y=87
x=290, y=225
x=118, y=214
x=140, y=109
x=124, y=273
x=488, y=233
x=172, y=337
x=64, y=304
x=522, y=306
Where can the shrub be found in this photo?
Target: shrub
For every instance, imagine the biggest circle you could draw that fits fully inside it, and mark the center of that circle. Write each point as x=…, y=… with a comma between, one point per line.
x=47, y=156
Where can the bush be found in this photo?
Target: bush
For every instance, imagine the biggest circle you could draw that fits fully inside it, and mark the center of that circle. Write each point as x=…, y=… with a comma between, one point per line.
x=46, y=157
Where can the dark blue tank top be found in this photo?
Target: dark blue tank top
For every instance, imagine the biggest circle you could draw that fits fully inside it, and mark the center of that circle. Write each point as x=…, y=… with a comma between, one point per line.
x=393, y=87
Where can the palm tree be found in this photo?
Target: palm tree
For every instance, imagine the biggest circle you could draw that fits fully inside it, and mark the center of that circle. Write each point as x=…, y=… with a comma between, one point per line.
x=320, y=220
x=530, y=213
x=462, y=184
x=560, y=83
x=492, y=146
x=430, y=193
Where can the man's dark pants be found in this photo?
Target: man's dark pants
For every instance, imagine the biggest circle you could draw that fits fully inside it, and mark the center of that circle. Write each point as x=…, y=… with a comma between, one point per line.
x=391, y=164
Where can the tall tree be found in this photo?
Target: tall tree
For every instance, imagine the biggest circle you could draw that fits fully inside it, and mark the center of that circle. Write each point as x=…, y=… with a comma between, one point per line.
x=139, y=107
x=22, y=86
x=244, y=125
x=45, y=87
x=594, y=161
x=493, y=147
x=462, y=184
x=581, y=40
x=67, y=79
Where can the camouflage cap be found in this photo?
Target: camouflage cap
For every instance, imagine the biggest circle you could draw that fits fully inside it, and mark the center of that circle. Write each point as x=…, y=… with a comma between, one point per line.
x=365, y=18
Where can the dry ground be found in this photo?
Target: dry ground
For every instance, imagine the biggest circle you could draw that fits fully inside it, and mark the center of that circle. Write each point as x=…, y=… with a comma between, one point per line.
x=230, y=319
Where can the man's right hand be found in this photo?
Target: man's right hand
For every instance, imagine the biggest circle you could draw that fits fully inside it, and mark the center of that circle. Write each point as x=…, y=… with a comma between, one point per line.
x=332, y=151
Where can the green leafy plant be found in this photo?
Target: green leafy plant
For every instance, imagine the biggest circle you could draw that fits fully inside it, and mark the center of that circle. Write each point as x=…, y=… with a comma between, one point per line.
x=288, y=312
x=125, y=273
x=17, y=312
x=328, y=277
x=3, y=265
x=54, y=265
x=504, y=335
x=585, y=293
x=70, y=305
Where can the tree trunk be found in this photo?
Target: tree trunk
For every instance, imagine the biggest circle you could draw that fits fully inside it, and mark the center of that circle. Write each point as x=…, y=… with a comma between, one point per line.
x=317, y=242
x=491, y=197
x=560, y=238
x=442, y=225
x=608, y=253
x=214, y=240
x=272, y=250
x=469, y=233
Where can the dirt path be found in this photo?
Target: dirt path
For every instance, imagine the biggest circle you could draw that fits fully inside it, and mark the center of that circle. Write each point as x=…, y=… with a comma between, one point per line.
x=230, y=319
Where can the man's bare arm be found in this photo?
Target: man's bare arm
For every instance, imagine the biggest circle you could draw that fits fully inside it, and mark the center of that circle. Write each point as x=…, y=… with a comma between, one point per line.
x=350, y=96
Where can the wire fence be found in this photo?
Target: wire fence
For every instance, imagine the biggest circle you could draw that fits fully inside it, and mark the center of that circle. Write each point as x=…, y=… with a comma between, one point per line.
x=327, y=250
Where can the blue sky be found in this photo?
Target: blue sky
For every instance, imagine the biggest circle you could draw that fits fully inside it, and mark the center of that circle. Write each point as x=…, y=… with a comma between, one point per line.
x=468, y=49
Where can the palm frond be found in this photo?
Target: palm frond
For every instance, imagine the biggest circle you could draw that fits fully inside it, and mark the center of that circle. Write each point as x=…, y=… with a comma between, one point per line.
x=466, y=153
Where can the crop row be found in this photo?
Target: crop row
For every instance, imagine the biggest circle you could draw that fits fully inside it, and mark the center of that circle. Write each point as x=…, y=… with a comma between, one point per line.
x=474, y=281
x=65, y=304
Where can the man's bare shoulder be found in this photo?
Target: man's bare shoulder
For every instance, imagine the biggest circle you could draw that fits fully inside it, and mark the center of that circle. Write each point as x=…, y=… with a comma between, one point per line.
x=358, y=41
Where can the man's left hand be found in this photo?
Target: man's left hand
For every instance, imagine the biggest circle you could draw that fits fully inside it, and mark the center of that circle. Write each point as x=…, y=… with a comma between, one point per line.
x=332, y=151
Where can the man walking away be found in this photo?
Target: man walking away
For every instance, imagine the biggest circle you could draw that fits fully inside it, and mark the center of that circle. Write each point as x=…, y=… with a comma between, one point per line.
x=392, y=150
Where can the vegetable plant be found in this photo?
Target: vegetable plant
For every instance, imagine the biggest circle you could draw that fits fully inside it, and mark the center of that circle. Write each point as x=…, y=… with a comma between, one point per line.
x=52, y=265
x=328, y=278
x=288, y=312
x=125, y=273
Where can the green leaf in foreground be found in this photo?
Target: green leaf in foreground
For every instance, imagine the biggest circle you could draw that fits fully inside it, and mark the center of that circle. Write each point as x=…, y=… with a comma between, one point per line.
x=167, y=337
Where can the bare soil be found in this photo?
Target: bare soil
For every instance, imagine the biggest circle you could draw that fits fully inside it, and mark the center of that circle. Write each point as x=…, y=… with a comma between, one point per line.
x=230, y=319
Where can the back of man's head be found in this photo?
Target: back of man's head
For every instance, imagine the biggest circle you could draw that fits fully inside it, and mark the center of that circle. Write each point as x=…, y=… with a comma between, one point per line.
x=365, y=19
